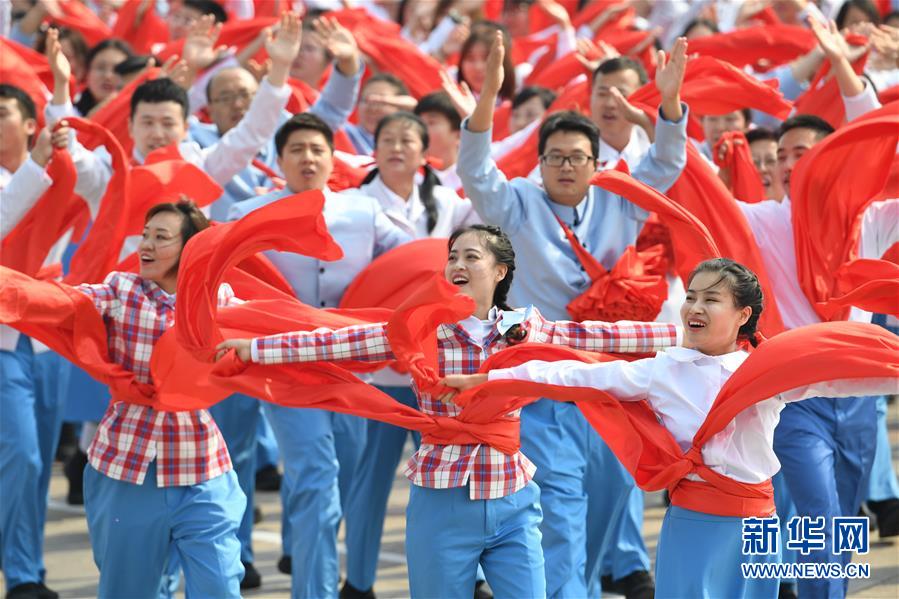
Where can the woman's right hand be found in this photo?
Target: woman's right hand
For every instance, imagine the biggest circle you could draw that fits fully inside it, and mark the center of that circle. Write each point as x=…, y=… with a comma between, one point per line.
x=463, y=382
x=241, y=346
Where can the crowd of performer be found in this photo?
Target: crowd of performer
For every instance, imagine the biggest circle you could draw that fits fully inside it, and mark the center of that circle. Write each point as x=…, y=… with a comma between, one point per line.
x=571, y=251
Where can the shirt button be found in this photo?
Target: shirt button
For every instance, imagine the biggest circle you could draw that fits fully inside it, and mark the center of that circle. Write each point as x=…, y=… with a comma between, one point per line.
x=321, y=270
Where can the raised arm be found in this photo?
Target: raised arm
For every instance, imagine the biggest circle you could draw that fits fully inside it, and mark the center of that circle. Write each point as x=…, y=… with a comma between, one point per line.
x=667, y=155
x=237, y=148
x=338, y=98
x=492, y=195
x=624, y=337
x=358, y=343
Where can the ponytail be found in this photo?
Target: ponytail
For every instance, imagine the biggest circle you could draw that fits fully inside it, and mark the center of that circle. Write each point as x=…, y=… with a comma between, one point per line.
x=426, y=195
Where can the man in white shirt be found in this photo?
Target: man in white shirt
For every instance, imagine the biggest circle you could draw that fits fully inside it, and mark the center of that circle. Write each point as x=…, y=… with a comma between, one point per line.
x=32, y=379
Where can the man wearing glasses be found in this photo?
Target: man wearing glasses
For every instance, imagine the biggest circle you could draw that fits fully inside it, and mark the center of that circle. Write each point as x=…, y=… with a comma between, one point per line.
x=554, y=435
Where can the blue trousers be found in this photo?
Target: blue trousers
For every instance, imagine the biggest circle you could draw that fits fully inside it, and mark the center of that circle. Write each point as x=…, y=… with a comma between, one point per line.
x=366, y=505
x=237, y=417
x=883, y=483
x=783, y=502
x=626, y=552
x=584, y=492
x=266, y=445
x=826, y=448
x=699, y=556
x=31, y=408
x=310, y=494
x=133, y=527
x=448, y=535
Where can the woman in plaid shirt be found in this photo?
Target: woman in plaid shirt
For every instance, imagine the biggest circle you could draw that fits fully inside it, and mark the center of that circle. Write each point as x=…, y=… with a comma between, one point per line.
x=494, y=522
x=158, y=480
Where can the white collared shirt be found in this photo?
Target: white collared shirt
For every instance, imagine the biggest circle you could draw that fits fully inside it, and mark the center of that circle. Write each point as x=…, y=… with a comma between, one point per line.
x=681, y=385
x=410, y=214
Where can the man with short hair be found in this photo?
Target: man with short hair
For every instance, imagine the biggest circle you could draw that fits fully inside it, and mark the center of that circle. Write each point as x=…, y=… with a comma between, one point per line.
x=555, y=436
x=319, y=463
x=763, y=148
x=443, y=122
x=32, y=379
x=382, y=94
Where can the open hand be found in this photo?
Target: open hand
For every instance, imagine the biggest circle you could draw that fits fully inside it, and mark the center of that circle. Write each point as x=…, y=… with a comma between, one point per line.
x=199, y=46
x=460, y=95
x=284, y=45
x=59, y=64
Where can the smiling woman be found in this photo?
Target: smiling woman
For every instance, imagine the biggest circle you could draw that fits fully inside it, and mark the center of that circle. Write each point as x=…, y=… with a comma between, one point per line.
x=167, y=228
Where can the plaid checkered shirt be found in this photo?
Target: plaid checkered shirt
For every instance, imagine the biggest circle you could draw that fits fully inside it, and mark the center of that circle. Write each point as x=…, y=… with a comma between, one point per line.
x=188, y=446
x=491, y=473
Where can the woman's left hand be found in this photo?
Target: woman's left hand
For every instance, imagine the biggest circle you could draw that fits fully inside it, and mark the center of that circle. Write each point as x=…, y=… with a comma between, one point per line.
x=241, y=346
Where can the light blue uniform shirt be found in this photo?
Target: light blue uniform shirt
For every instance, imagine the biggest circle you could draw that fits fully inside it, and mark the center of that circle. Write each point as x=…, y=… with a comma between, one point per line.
x=357, y=224
x=334, y=106
x=547, y=272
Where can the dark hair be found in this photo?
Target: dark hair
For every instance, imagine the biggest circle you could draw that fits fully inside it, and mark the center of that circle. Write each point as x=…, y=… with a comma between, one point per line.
x=866, y=6
x=621, y=63
x=484, y=34
x=309, y=18
x=79, y=45
x=569, y=120
x=390, y=78
x=440, y=103
x=745, y=287
x=760, y=133
x=208, y=7
x=547, y=96
x=806, y=121
x=192, y=219
x=159, y=90
x=426, y=189
x=303, y=121
x=893, y=14
x=132, y=64
x=697, y=23
x=86, y=102
x=498, y=244
x=23, y=101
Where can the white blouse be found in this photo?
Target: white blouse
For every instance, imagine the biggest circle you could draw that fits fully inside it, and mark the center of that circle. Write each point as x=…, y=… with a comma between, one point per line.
x=681, y=385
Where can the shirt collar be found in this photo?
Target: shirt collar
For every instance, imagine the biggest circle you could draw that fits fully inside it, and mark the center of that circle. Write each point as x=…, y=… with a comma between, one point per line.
x=729, y=362
x=157, y=294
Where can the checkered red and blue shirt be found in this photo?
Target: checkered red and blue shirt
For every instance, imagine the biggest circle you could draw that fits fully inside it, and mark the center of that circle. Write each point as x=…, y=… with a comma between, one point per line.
x=188, y=446
x=491, y=473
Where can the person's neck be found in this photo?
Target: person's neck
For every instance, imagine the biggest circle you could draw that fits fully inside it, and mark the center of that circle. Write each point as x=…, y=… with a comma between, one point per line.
x=618, y=140
x=401, y=186
x=570, y=202
x=718, y=351
x=11, y=161
x=168, y=284
x=482, y=312
x=447, y=158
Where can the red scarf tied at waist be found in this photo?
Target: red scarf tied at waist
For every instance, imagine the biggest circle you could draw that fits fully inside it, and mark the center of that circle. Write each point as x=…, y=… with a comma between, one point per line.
x=793, y=359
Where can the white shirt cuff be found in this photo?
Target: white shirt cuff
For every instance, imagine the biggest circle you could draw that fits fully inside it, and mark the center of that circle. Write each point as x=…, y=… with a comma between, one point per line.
x=254, y=351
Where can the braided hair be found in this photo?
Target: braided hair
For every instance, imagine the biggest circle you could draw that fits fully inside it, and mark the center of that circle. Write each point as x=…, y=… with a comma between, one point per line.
x=745, y=287
x=498, y=244
x=430, y=181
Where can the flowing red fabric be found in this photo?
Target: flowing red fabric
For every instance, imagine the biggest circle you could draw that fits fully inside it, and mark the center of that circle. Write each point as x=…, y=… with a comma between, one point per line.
x=420, y=72
x=888, y=95
x=701, y=191
x=143, y=35
x=562, y=72
x=524, y=47
x=95, y=258
x=345, y=175
x=771, y=44
x=793, y=359
x=234, y=33
x=116, y=113
x=828, y=199
x=712, y=86
x=745, y=182
x=824, y=99
x=82, y=19
x=20, y=72
x=391, y=277
x=27, y=245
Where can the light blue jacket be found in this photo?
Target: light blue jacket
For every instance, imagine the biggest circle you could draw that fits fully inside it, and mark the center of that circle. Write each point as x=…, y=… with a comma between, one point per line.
x=357, y=224
x=548, y=274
